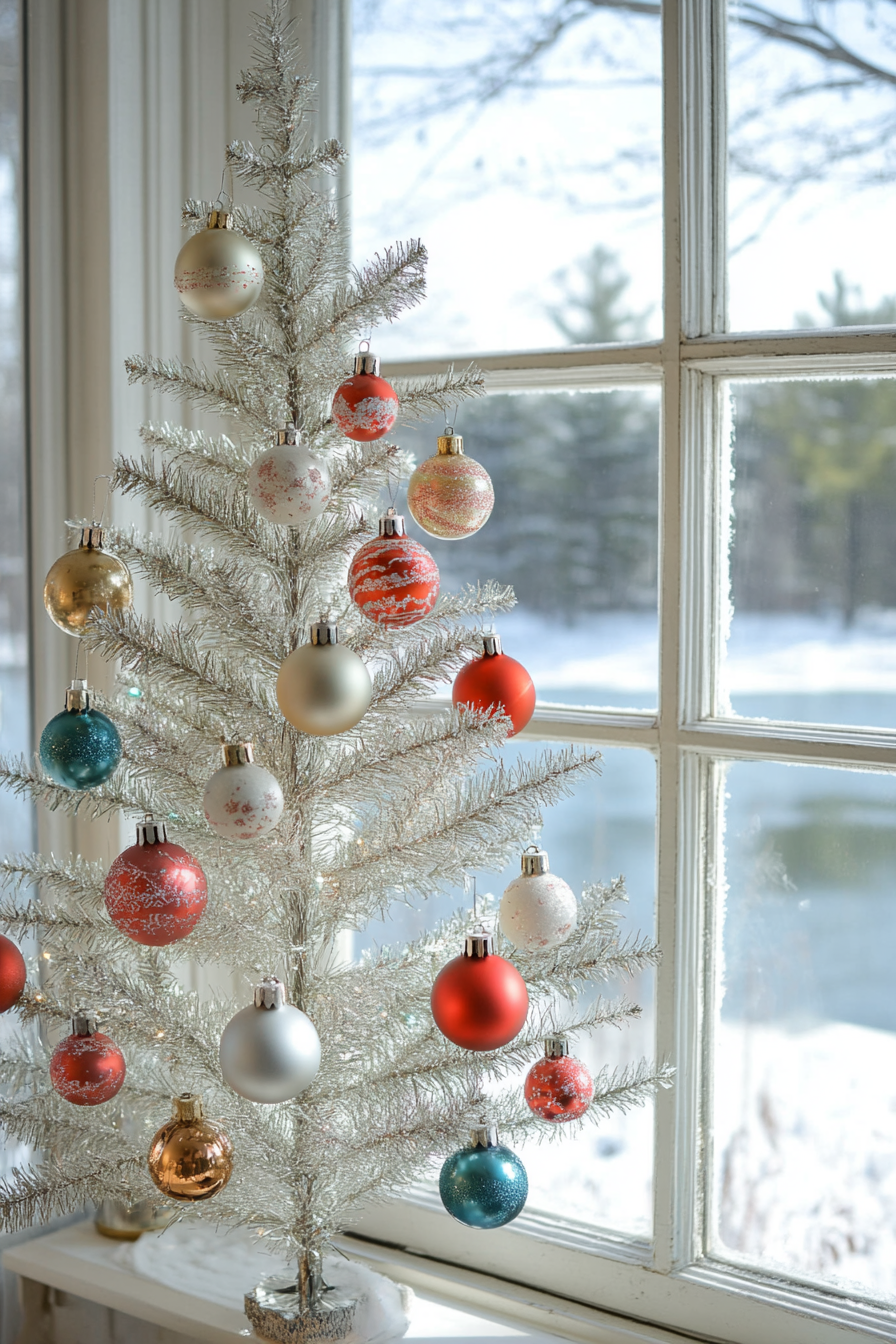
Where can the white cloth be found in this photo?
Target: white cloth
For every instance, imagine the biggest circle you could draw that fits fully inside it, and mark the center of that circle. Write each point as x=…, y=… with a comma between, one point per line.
x=222, y=1265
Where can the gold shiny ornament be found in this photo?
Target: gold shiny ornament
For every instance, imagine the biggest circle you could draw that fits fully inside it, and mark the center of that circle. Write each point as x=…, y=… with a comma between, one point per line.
x=190, y=1158
x=218, y=273
x=323, y=687
x=85, y=578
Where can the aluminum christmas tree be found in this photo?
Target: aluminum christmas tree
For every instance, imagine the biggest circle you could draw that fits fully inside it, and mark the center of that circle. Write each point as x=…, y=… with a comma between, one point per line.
x=397, y=808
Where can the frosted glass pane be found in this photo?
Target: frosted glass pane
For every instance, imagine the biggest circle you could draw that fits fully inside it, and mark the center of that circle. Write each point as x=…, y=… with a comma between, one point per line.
x=812, y=150
x=804, y=1176
x=573, y=531
x=603, y=1176
x=813, y=553
x=521, y=142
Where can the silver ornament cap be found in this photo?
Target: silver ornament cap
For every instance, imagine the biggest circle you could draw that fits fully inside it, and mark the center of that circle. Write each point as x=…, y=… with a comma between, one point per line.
x=270, y=993
x=534, y=861
x=479, y=944
x=366, y=362
x=556, y=1047
x=491, y=643
x=84, y=1023
x=151, y=832
x=392, y=524
x=77, y=697
x=484, y=1136
x=237, y=753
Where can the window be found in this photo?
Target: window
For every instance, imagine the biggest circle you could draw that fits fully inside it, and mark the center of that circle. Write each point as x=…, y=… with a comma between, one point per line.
x=698, y=517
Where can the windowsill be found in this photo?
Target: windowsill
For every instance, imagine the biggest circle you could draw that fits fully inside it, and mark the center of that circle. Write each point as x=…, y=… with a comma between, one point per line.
x=450, y=1304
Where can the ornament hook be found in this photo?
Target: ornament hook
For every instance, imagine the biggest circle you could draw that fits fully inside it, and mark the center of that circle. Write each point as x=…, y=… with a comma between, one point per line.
x=102, y=516
x=219, y=199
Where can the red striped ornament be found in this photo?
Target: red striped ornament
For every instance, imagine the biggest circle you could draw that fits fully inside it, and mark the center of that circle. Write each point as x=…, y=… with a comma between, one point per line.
x=365, y=407
x=393, y=580
x=155, y=891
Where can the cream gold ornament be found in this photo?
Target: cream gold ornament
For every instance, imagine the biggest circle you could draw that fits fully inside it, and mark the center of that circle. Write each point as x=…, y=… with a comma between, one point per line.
x=270, y=1051
x=87, y=577
x=218, y=273
x=190, y=1158
x=323, y=687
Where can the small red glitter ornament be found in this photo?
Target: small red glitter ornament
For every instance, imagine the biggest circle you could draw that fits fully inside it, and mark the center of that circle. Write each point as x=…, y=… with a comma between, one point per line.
x=479, y=1000
x=496, y=679
x=12, y=973
x=87, y=1067
x=393, y=579
x=365, y=407
x=558, y=1088
x=155, y=891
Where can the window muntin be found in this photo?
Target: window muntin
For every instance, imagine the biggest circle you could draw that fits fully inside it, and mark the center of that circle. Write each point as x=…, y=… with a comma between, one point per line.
x=574, y=531
x=811, y=154
x=813, y=595
x=804, y=1060
x=510, y=137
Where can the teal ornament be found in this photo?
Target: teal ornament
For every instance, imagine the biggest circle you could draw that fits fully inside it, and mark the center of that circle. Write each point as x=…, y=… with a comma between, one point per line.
x=80, y=747
x=484, y=1185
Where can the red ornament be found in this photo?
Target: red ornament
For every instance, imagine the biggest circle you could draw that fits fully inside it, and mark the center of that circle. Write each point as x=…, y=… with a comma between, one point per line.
x=365, y=407
x=479, y=1000
x=558, y=1088
x=393, y=579
x=155, y=891
x=12, y=973
x=87, y=1067
x=496, y=679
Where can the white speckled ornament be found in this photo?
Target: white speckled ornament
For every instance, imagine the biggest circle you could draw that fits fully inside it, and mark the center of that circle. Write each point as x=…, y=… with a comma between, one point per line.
x=538, y=909
x=288, y=484
x=242, y=801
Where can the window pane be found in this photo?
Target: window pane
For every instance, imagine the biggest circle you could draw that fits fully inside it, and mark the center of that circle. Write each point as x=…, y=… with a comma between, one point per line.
x=813, y=552
x=804, y=1176
x=811, y=123
x=602, y=1176
x=573, y=531
x=521, y=142
x=15, y=718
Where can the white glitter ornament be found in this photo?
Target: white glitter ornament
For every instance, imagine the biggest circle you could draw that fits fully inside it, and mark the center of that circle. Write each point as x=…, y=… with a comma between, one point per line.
x=218, y=273
x=270, y=1051
x=242, y=801
x=538, y=909
x=288, y=484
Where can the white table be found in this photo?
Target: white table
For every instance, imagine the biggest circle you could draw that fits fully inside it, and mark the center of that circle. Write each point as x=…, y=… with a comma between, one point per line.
x=73, y=1292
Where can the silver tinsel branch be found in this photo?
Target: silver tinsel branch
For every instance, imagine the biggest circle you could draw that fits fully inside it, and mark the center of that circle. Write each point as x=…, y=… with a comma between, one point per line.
x=395, y=810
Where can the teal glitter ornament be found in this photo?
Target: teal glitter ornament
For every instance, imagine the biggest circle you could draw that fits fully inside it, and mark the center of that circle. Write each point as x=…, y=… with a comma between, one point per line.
x=80, y=747
x=484, y=1185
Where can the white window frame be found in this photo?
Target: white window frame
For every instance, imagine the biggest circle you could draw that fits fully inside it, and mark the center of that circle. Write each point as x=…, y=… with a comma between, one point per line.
x=671, y=1280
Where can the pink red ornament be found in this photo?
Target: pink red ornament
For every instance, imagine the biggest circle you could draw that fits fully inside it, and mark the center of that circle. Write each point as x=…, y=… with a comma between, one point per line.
x=558, y=1088
x=87, y=1068
x=12, y=973
x=393, y=579
x=365, y=407
x=155, y=891
x=479, y=1000
x=449, y=495
x=495, y=680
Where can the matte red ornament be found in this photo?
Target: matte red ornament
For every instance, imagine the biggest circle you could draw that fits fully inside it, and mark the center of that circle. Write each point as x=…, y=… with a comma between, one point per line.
x=393, y=579
x=12, y=973
x=558, y=1088
x=155, y=891
x=87, y=1068
x=365, y=407
x=479, y=1000
x=496, y=679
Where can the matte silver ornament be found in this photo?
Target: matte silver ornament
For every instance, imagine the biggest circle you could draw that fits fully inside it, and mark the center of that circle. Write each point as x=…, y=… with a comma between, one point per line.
x=270, y=1051
x=323, y=687
x=218, y=273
